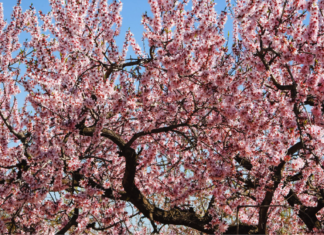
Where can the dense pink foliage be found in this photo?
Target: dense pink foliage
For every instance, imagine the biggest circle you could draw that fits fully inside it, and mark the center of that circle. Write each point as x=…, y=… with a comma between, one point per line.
x=190, y=128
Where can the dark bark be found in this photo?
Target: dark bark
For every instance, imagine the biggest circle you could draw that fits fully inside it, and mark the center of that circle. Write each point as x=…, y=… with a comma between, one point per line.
x=114, y=137
x=71, y=223
x=307, y=214
x=293, y=149
x=263, y=212
x=243, y=229
x=175, y=216
x=296, y=177
x=310, y=100
x=243, y=162
x=154, y=131
x=277, y=176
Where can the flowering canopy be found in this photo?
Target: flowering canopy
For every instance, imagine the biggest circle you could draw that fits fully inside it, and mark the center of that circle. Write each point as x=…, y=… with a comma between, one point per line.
x=190, y=134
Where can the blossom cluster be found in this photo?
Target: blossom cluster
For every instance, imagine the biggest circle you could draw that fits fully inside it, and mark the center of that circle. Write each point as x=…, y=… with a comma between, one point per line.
x=188, y=128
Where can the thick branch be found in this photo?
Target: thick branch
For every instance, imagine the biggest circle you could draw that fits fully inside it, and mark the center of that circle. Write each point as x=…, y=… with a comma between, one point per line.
x=70, y=223
x=132, y=194
x=293, y=149
x=243, y=162
x=296, y=177
x=114, y=137
x=277, y=176
x=263, y=213
x=174, y=216
x=243, y=229
x=312, y=102
x=307, y=214
x=154, y=131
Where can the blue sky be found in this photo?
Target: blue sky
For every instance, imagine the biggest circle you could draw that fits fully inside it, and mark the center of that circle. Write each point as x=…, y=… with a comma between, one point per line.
x=131, y=13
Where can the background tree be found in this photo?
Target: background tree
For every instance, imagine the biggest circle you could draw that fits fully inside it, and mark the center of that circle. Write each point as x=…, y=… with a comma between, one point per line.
x=181, y=136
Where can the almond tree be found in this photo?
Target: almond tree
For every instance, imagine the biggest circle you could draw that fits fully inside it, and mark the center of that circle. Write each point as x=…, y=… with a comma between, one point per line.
x=190, y=136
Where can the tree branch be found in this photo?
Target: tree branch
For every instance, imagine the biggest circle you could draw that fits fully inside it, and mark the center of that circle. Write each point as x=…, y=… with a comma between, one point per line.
x=307, y=214
x=70, y=223
x=243, y=162
x=154, y=131
x=114, y=137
